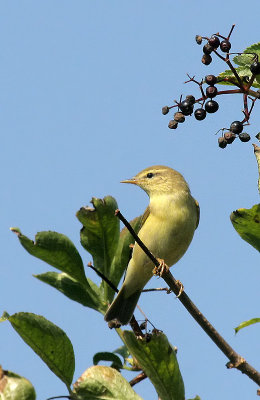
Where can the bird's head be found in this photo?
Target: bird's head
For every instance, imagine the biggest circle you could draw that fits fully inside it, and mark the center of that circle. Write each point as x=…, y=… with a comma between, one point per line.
x=159, y=179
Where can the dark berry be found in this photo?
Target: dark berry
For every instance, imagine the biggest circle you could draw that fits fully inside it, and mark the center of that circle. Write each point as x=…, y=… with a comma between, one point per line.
x=179, y=117
x=255, y=68
x=222, y=142
x=186, y=107
x=191, y=99
x=173, y=124
x=211, y=91
x=211, y=106
x=200, y=114
x=207, y=49
x=165, y=110
x=258, y=136
x=230, y=137
x=211, y=79
x=244, y=137
x=236, y=127
x=198, y=39
x=225, y=46
x=206, y=59
x=214, y=42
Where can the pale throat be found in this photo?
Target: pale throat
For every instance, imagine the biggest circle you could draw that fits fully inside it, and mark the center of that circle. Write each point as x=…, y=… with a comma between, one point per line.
x=164, y=204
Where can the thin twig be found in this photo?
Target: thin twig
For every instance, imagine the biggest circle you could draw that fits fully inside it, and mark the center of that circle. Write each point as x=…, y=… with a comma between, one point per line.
x=236, y=361
x=159, y=289
x=140, y=377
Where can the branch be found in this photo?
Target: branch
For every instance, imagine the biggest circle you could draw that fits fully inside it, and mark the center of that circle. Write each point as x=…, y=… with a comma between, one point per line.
x=236, y=361
x=140, y=377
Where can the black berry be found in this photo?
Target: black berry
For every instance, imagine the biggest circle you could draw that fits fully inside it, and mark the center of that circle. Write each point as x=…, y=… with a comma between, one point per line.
x=236, y=127
x=198, y=39
x=211, y=79
x=244, y=137
x=225, y=46
x=191, y=99
x=211, y=91
x=207, y=49
x=179, y=117
x=173, y=124
x=214, y=42
x=255, y=68
x=206, y=59
x=186, y=107
x=211, y=106
x=165, y=110
x=200, y=114
x=222, y=142
x=230, y=137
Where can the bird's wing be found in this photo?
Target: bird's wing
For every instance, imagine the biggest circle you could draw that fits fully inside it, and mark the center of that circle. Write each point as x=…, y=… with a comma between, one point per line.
x=198, y=212
x=145, y=216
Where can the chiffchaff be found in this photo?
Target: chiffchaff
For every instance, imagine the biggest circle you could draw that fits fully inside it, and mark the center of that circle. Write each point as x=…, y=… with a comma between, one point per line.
x=167, y=229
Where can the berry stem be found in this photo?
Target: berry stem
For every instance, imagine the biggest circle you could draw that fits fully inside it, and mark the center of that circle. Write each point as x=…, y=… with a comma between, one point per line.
x=231, y=30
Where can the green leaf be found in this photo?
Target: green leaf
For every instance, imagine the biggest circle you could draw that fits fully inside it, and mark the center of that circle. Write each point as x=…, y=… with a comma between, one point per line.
x=100, y=235
x=15, y=387
x=55, y=249
x=107, y=356
x=247, y=224
x=247, y=323
x=103, y=383
x=196, y=398
x=244, y=61
x=123, y=251
x=247, y=59
x=158, y=360
x=48, y=341
x=87, y=295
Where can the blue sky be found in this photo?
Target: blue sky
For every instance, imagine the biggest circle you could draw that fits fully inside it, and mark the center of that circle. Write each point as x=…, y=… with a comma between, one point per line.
x=82, y=86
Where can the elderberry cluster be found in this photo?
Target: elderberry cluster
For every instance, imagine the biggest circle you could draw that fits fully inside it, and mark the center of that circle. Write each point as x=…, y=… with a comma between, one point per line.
x=235, y=131
x=207, y=103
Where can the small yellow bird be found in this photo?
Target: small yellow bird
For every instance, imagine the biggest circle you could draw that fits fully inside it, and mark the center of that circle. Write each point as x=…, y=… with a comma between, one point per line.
x=167, y=229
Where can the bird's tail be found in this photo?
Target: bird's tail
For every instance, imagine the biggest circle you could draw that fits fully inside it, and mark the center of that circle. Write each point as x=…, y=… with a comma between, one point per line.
x=123, y=307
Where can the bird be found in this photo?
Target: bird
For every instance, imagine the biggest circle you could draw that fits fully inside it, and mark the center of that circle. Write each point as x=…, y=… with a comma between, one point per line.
x=167, y=228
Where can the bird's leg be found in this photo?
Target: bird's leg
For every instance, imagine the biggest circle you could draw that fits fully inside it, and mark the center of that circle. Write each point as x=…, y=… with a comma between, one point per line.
x=161, y=269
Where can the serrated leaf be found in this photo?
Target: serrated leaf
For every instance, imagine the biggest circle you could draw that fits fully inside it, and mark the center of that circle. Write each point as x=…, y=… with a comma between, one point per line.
x=48, y=341
x=158, y=360
x=55, y=249
x=15, y=387
x=103, y=383
x=247, y=59
x=100, y=235
x=247, y=224
x=87, y=295
x=247, y=323
x=123, y=251
x=108, y=356
x=244, y=61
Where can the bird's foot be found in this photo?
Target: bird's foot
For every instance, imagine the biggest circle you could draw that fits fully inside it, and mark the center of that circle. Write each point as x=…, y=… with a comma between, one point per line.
x=181, y=288
x=161, y=269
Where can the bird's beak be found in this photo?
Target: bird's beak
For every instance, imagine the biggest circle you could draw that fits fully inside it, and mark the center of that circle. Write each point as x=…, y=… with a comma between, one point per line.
x=132, y=180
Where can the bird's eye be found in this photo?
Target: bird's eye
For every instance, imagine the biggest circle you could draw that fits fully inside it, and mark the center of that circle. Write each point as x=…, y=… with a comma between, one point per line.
x=149, y=175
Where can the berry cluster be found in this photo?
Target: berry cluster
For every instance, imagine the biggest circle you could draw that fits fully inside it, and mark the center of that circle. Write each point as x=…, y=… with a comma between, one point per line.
x=207, y=102
x=235, y=131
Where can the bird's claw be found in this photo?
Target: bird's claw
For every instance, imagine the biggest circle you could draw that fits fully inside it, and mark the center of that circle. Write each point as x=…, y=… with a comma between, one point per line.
x=181, y=288
x=161, y=269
